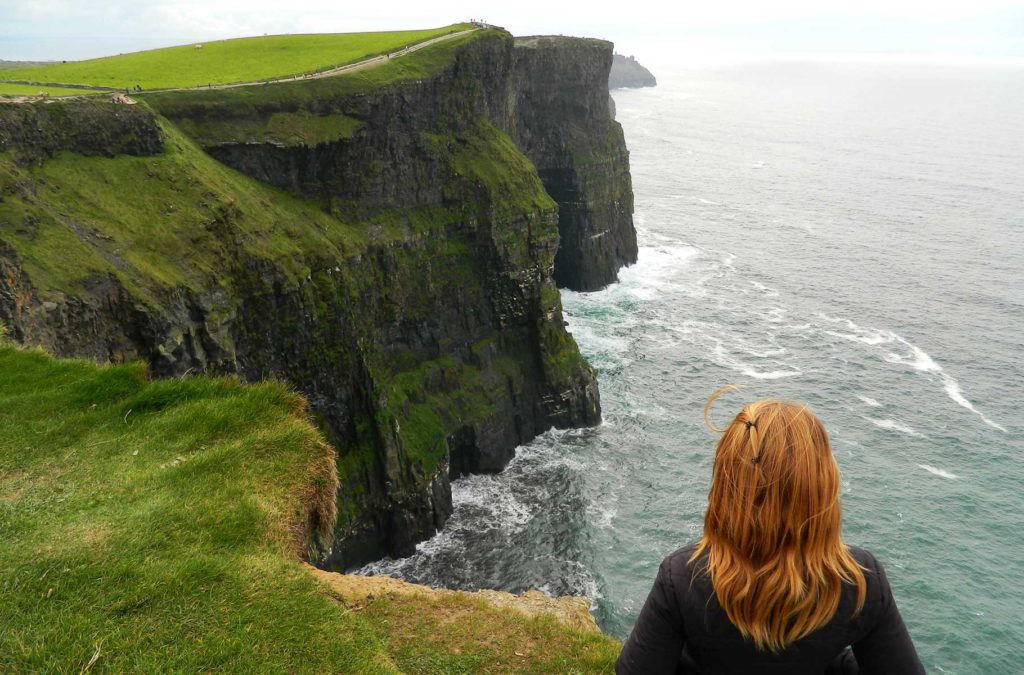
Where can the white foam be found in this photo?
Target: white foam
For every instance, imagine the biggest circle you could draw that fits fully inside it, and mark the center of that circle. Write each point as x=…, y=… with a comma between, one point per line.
x=918, y=359
x=770, y=375
x=869, y=401
x=938, y=472
x=893, y=425
x=915, y=358
x=707, y=201
x=952, y=388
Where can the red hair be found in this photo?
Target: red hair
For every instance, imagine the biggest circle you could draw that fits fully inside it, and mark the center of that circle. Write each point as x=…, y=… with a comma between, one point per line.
x=772, y=529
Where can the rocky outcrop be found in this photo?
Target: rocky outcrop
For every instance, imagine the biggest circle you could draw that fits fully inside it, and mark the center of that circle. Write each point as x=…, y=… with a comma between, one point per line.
x=627, y=73
x=87, y=127
x=406, y=288
x=564, y=125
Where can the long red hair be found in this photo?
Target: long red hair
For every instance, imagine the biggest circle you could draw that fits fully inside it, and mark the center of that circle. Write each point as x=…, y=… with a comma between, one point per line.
x=772, y=529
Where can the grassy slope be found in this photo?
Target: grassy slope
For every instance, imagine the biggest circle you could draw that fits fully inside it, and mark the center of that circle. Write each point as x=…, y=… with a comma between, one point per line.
x=154, y=524
x=226, y=61
x=190, y=190
x=9, y=89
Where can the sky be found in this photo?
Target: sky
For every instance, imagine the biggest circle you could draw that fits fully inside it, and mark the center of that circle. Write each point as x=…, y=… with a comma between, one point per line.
x=657, y=32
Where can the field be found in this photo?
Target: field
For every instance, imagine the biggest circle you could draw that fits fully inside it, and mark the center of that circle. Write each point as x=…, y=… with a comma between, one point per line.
x=153, y=526
x=9, y=89
x=226, y=61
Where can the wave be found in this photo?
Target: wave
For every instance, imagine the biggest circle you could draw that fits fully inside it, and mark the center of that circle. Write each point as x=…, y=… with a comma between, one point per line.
x=938, y=472
x=893, y=425
x=952, y=388
x=915, y=358
x=869, y=401
x=770, y=375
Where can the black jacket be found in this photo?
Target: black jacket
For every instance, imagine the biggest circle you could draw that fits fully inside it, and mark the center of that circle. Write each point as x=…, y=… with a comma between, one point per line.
x=682, y=623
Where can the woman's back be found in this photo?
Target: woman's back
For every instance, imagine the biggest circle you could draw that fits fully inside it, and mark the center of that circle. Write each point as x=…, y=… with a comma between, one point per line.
x=683, y=627
x=770, y=587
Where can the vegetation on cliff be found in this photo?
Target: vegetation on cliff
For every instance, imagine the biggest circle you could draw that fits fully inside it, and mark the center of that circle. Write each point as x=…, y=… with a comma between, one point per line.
x=157, y=526
x=377, y=240
x=226, y=61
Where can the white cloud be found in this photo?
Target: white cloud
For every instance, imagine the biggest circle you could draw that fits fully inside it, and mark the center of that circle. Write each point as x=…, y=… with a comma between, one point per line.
x=89, y=25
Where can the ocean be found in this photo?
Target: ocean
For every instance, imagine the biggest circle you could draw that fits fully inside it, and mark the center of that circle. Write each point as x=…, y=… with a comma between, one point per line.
x=847, y=234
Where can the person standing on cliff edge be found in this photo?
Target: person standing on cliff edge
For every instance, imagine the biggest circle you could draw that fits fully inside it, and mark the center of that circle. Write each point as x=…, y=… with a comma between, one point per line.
x=771, y=587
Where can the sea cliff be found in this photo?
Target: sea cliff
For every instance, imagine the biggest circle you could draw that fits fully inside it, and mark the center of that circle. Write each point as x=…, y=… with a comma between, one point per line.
x=386, y=242
x=627, y=73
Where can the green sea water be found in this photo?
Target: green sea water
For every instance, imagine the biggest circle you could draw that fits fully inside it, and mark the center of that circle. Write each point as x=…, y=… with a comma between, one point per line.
x=849, y=235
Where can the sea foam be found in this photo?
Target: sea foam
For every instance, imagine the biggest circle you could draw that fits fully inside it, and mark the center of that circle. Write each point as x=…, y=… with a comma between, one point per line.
x=915, y=358
x=938, y=472
x=893, y=425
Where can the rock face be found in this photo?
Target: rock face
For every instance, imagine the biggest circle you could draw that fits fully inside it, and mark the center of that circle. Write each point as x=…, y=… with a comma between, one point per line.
x=37, y=132
x=405, y=286
x=564, y=125
x=627, y=73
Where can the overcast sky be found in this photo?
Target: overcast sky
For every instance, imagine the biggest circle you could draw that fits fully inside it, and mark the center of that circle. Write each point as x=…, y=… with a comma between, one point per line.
x=658, y=32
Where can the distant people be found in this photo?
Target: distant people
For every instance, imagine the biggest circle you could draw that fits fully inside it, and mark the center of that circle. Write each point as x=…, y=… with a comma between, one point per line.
x=771, y=587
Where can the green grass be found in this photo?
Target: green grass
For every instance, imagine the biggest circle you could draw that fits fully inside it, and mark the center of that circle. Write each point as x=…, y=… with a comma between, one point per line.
x=283, y=128
x=178, y=227
x=227, y=61
x=241, y=102
x=10, y=89
x=155, y=526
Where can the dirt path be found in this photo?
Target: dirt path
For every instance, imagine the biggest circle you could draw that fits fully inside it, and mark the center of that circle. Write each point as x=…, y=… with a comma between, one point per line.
x=340, y=70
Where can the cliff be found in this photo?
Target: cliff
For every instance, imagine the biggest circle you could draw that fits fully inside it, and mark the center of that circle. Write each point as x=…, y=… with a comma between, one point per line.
x=564, y=125
x=181, y=506
x=626, y=72
x=380, y=241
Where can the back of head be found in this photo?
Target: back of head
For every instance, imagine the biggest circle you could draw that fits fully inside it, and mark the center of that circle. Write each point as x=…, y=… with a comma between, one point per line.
x=772, y=528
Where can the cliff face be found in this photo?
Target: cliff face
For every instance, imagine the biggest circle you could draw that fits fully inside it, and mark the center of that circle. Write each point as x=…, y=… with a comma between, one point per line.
x=627, y=73
x=405, y=285
x=564, y=125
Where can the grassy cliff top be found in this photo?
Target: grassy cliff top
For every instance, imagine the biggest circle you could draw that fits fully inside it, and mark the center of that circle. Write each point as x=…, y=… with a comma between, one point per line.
x=154, y=526
x=13, y=89
x=226, y=61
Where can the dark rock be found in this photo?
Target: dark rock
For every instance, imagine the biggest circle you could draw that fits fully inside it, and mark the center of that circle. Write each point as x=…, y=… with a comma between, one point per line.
x=87, y=127
x=627, y=73
x=563, y=124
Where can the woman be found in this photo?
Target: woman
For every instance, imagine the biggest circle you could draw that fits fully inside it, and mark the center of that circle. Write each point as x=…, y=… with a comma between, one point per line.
x=770, y=587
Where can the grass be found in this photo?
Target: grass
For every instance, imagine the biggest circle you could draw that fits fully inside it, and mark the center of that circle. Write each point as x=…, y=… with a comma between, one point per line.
x=227, y=61
x=283, y=128
x=179, y=227
x=11, y=89
x=241, y=102
x=154, y=527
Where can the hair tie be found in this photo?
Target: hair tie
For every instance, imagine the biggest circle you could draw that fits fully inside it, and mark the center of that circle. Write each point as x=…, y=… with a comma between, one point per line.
x=756, y=458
